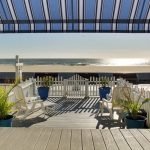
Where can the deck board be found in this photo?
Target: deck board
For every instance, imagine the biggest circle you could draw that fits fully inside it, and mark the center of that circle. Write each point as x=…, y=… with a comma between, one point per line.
x=76, y=143
x=120, y=140
x=54, y=141
x=43, y=139
x=17, y=135
x=65, y=140
x=73, y=139
x=131, y=140
x=141, y=139
x=109, y=140
x=4, y=134
x=98, y=140
x=2, y=130
x=7, y=137
x=87, y=140
x=146, y=133
x=32, y=138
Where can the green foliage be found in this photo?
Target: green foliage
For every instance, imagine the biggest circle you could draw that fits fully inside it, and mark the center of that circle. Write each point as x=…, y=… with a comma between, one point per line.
x=5, y=104
x=130, y=105
x=104, y=81
x=47, y=81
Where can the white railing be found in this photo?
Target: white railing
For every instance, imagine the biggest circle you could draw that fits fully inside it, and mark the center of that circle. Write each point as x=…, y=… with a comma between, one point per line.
x=95, y=82
x=75, y=86
x=5, y=85
x=56, y=89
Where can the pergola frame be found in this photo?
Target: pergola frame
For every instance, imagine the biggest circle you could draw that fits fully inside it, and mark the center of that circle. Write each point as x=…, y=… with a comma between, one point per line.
x=57, y=16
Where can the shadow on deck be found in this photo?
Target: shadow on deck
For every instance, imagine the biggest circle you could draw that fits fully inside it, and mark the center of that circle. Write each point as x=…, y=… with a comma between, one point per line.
x=71, y=113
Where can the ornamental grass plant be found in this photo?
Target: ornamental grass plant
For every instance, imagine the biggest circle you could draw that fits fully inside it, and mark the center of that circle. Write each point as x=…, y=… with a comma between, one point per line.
x=132, y=102
x=6, y=105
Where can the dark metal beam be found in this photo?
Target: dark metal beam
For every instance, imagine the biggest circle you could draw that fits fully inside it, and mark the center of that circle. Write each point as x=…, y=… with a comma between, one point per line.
x=123, y=21
x=76, y=31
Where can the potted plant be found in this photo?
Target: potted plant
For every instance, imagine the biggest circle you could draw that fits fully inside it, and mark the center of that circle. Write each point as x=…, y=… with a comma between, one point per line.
x=104, y=89
x=43, y=90
x=135, y=116
x=6, y=106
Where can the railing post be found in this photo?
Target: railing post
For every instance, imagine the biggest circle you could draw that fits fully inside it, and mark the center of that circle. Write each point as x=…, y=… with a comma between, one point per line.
x=18, y=66
x=113, y=81
x=86, y=88
x=34, y=87
x=65, y=91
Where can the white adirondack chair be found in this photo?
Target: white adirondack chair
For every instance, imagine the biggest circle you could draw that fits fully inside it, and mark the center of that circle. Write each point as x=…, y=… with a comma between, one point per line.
x=28, y=105
x=109, y=103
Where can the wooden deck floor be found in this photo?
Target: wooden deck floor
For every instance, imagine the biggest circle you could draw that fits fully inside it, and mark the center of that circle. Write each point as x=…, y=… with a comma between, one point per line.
x=73, y=139
x=77, y=113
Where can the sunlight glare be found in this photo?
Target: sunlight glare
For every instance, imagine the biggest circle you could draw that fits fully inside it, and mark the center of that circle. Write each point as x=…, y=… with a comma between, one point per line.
x=127, y=62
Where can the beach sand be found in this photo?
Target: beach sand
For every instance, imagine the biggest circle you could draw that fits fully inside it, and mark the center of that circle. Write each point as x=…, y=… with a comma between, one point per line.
x=78, y=69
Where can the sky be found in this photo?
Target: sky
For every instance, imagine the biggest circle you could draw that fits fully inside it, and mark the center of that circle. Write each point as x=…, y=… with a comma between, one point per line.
x=75, y=45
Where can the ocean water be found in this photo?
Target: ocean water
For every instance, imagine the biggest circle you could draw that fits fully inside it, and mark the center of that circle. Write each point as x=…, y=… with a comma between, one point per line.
x=80, y=62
